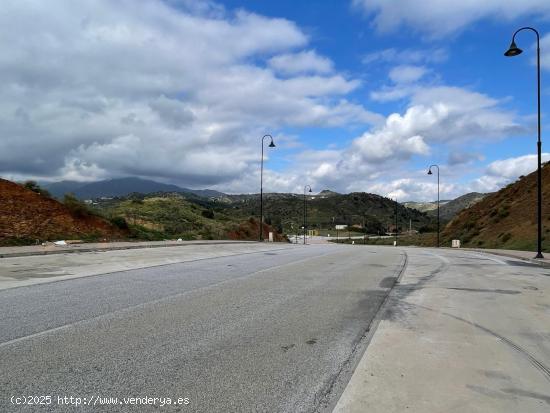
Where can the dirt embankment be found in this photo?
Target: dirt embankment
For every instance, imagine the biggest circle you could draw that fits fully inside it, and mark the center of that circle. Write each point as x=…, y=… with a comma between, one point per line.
x=26, y=216
x=505, y=219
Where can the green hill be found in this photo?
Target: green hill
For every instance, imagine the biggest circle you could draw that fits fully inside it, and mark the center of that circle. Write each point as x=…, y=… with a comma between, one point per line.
x=326, y=210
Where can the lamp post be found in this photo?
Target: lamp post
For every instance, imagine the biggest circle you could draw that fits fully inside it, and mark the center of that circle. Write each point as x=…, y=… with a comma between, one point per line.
x=396, y=221
x=305, y=212
x=429, y=173
x=271, y=145
x=513, y=50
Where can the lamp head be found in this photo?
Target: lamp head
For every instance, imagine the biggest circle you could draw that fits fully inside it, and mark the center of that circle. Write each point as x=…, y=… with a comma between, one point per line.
x=430, y=171
x=513, y=50
x=271, y=145
x=309, y=189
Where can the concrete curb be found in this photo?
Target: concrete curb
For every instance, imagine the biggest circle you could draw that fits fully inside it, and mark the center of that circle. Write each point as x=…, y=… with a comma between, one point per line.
x=62, y=250
x=540, y=263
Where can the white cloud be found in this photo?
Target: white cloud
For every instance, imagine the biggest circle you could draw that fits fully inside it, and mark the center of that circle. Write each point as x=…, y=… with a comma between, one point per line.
x=302, y=62
x=407, y=73
x=417, y=189
x=97, y=88
x=444, y=116
x=444, y=17
x=511, y=168
x=504, y=171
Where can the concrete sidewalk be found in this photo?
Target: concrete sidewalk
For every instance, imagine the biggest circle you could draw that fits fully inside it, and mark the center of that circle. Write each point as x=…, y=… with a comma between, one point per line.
x=461, y=332
x=50, y=248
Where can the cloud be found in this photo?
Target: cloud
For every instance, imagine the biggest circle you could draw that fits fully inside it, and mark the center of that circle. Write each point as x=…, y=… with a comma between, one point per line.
x=445, y=17
x=418, y=189
x=512, y=168
x=503, y=171
x=405, y=80
x=406, y=56
x=302, y=62
x=439, y=117
x=178, y=91
x=407, y=73
x=463, y=158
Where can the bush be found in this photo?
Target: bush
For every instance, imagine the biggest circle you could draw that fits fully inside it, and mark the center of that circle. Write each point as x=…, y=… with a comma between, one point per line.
x=119, y=222
x=33, y=186
x=208, y=213
x=76, y=206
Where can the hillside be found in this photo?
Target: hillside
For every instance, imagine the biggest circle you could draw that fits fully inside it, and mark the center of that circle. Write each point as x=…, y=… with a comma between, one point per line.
x=120, y=187
x=449, y=209
x=324, y=211
x=171, y=215
x=504, y=219
x=26, y=216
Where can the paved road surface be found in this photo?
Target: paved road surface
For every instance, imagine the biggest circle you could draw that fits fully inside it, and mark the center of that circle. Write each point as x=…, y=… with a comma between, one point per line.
x=271, y=330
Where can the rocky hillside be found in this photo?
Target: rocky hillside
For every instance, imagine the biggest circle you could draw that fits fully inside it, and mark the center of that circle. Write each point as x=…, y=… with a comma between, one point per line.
x=504, y=219
x=27, y=216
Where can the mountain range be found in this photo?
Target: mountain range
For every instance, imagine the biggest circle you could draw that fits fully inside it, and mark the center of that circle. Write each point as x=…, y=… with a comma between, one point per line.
x=120, y=187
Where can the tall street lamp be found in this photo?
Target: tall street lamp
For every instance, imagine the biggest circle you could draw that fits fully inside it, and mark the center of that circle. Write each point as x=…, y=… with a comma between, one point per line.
x=271, y=145
x=305, y=211
x=396, y=204
x=513, y=50
x=429, y=173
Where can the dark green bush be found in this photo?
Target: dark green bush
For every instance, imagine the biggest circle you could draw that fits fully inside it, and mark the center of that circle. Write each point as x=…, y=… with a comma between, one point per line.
x=119, y=222
x=76, y=206
x=33, y=186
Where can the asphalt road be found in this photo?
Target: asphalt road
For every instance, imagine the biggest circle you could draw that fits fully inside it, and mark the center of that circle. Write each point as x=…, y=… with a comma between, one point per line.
x=272, y=331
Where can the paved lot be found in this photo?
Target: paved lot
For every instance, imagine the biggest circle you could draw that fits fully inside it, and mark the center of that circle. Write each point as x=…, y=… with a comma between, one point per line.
x=263, y=328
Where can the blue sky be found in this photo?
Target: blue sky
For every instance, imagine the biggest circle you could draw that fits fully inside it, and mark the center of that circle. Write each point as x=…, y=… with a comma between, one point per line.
x=360, y=95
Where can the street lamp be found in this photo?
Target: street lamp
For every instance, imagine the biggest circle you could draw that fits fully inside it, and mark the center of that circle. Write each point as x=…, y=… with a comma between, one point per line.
x=513, y=50
x=430, y=173
x=396, y=204
x=305, y=212
x=271, y=145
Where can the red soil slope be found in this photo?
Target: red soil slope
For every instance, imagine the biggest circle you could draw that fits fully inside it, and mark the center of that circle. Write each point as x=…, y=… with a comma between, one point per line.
x=26, y=216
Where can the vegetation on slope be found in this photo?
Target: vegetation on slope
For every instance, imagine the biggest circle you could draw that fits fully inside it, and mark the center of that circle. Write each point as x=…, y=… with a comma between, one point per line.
x=162, y=216
x=377, y=213
x=504, y=219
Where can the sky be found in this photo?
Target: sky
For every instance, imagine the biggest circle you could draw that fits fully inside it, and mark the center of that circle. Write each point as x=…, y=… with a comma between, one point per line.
x=359, y=95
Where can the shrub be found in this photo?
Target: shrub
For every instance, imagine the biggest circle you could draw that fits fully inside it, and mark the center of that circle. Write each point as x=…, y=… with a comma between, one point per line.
x=208, y=213
x=119, y=222
x=33, y=186
x=76, y=206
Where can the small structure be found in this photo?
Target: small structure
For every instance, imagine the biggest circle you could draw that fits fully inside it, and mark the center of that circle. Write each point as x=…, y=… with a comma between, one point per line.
x=455, y=243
